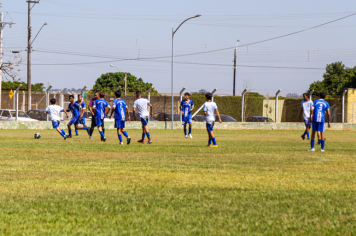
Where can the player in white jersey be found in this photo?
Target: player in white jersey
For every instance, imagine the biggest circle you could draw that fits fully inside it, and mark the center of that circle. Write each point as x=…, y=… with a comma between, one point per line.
x=209, y=110
x=53, y=112
x=141, y=105
x=307, y=105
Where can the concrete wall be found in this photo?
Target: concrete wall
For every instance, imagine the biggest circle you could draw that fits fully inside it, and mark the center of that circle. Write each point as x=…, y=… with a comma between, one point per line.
x=177, y=125
x=351, y=99
x=269, y=108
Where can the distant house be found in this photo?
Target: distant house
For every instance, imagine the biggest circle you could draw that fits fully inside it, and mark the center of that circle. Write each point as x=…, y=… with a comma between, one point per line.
x=203, y=91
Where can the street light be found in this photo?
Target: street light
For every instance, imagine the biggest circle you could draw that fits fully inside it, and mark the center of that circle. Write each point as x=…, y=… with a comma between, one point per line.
x=173, y=32
x=111, y=65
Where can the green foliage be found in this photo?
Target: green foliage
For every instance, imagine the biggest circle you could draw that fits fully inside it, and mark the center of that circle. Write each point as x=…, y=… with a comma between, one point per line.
x=13, y=85
x=109, y=82
x=337, y=78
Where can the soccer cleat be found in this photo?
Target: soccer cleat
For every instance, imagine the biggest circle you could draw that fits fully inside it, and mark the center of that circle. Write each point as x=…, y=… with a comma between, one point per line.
x=141, y=141
x=121, y=143
x=69, y=136
x=311, y=150
x=322, y=150
x=65, y=137
x=149, y=141
x=90, y=137
x=308, y=138
x=209, y=145
x=303, y=137
x=186, y=136
x=103, y=139
x=77, y=135
x=190, y=136
x=128, y=141
x=214, y=146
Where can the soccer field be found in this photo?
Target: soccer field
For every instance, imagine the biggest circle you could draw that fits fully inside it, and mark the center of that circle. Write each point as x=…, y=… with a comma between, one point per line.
x=256, y=183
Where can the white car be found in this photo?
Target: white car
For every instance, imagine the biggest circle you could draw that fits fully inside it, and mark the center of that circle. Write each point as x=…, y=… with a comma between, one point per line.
x=10, y=115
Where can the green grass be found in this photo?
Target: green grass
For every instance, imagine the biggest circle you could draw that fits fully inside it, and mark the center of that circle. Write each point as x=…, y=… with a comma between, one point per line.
x=256, y=183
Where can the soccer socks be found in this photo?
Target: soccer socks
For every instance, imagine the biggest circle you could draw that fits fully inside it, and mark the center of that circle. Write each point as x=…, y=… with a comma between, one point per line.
x=322, y=144
x=102, y=134
x=307, y=134
x=312, y=143
x=319, y=141
x=120, y=138
x=210, y=140
x=143, y=136
x=76, y=131
x=190, y=131
x=185, y=132
x=91, y=132
x=70, y=132
x=214, y=141
x=148, y=136
x=85, y=128
x=125, y=134
x=63, y=132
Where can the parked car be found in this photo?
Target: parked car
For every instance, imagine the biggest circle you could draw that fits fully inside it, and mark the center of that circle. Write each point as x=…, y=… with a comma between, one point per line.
x=258, y=119
x=225, y=118
x=164, y=116
x=138, y=117
x=37, y=114
x=10, y=115
x=199, y=118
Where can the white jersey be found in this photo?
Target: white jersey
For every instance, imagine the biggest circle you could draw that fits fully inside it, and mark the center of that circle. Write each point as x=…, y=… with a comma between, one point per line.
x=141, y=105
x=209, y=108
x=53, y=111
x=307, y=106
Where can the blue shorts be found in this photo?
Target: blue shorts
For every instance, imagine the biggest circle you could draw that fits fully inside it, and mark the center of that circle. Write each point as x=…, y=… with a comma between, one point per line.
x=55, y=124
x=82, y=121
x=306, y=122
x=74, y=120
x=119, y=124
x=210, y=126
x=318, y=126
x=99, y=122
x=144, y=121
x=186, y=120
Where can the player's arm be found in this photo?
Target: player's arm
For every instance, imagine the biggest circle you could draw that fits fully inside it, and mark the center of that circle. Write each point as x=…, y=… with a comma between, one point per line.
x=112, y=111
x=180, y=108
x=301, y=112
x=192, y=108
x=329, y=115
x=217, y=112
x=151, y=109
x=133, y=114
x=65, y=112
x=311, y=113
x=128, y=114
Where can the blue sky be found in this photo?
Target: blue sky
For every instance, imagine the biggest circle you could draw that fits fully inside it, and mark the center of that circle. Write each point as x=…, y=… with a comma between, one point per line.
x=101, y=33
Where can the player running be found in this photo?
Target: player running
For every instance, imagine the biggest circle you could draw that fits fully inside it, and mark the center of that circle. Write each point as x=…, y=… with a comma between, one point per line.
x=209, y=111
x=91, y=109
x=53, y=111
x=141, y=105
x=317, y=115
x=120, y=108
x=74, y=107
x=82, y=113
x=306, y=107
x=101, y=108
x=186, y=107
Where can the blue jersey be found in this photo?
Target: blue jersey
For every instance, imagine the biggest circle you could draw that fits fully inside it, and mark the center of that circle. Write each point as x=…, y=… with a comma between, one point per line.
x=186, y=107
x=100, y=106
x=82, y=105
x=75, y=109
x=320, y=107
x=120, y=109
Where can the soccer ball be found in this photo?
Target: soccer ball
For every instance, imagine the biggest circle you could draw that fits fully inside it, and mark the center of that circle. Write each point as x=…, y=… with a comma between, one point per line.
x=37, y=136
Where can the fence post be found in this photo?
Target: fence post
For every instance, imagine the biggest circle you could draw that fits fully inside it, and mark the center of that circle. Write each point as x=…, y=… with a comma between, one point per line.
x=47, y=97
x=83, y=89
x=17, y=101
x=180, y=101
x=276, y=111
x=61, y=103
x=212, y=93
x=343, y=107
x=149, y=99
x=242, y=104
x=203, y=104
x=311, y=94
x=23, y=100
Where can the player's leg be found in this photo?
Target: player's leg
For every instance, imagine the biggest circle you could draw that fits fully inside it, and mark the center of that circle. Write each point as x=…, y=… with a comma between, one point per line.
x=148, y=134
x=77, y=127
x=208, y=129
x=306, y=132
x=119, y=135
x=185, y=129
x=124, y=132
x=98, y=122
x=307, y=129
x=93, y=125
x=144, y=124
x=312, y=141
x=59, y=129
x=69, y=129
x=212, y=135
x=322, y=136
x=319, y=137
x=190, y=128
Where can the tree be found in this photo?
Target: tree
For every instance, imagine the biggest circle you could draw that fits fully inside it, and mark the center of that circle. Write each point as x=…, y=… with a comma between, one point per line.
x=13, y=85
x=109, y=82
x=337, y=78
x=10, y=68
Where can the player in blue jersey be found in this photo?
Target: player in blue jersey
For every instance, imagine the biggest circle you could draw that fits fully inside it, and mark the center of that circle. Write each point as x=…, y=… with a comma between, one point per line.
x=120, y=108
x=82, y=113
x=74, y=107
x=317, y=115
x=306, y=107
x=101, y=108
x=209, y=110
x=142, y=104
x=186, y=107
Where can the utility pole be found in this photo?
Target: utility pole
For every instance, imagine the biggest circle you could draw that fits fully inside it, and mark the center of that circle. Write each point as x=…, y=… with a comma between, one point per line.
x=234, y=82
x=29, y=57
x=2, y=26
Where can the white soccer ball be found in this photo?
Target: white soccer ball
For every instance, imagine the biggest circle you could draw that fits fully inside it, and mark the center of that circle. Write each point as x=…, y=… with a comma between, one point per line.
x=37, y=136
